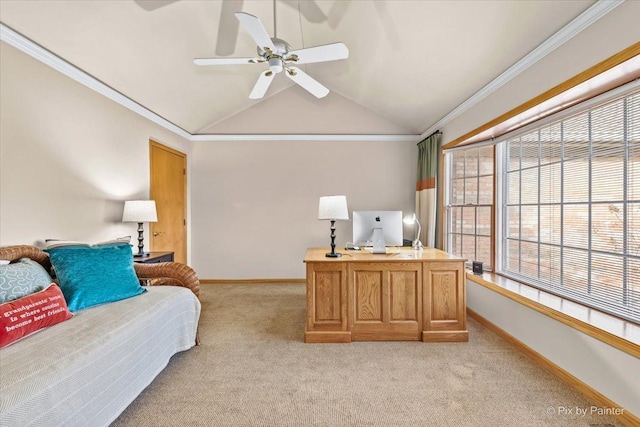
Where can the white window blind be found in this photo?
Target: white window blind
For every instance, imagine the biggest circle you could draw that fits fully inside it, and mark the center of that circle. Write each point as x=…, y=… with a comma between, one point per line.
x=571, y=207
x=469, y=207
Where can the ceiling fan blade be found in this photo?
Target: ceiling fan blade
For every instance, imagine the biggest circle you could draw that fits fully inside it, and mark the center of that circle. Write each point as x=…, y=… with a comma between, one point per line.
x=226, y=61
x=327, y=52
x=261, y=86
x=307, y=82
x=254, y=27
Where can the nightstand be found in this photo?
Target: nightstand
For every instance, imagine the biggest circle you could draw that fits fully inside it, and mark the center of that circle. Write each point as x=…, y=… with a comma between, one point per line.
x=154, y=257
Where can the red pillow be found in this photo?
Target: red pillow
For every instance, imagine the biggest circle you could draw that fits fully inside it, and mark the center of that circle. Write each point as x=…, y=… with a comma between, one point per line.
x=24, y=316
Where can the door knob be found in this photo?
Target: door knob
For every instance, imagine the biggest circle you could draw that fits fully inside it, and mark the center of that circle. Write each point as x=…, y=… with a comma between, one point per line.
x=157, y=233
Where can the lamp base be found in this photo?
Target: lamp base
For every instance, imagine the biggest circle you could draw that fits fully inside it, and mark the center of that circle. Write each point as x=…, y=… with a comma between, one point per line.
x=333, y=253
x=141, y=252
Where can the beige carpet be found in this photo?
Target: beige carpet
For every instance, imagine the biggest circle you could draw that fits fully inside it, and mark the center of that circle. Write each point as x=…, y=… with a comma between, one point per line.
x=253, y=369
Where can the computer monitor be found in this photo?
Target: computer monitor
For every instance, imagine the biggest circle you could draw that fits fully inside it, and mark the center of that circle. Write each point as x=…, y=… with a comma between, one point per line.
x=365, y=222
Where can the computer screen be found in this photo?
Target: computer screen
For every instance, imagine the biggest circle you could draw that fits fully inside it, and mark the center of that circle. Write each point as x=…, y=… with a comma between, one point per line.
x=364, y=222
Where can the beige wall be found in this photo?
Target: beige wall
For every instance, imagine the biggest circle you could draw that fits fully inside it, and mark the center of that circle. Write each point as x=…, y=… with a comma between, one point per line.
x=255, y=204
x=69, y=156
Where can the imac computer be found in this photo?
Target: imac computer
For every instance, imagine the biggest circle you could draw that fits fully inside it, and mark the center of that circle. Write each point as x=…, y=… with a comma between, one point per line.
x=377, y=229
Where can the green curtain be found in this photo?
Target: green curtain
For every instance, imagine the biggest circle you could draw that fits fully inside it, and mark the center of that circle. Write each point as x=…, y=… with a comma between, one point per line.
x=427, y=189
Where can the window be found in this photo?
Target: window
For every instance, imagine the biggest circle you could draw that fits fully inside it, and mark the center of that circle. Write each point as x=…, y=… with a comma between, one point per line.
x=568, y=204
x=470, y=205
x=571, y=207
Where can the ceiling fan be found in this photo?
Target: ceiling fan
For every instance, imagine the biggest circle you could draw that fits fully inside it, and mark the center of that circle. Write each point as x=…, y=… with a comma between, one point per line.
x=278, y=54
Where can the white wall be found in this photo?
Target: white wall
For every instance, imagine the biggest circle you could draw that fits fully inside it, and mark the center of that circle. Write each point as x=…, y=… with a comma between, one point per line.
x=612, y=372
x=69, y=156
x=255, y=204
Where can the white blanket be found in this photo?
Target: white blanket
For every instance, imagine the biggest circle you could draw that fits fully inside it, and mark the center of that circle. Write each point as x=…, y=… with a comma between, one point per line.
x=87, y=370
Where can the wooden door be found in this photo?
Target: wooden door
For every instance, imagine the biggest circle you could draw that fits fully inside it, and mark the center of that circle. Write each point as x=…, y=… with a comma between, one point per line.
x=169, y=190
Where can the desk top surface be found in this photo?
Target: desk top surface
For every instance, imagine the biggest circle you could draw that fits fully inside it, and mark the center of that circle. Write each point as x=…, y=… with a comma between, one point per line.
x=394, y=254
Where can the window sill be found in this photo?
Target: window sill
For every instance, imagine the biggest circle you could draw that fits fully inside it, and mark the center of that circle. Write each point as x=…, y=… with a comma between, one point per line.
x=619, y=333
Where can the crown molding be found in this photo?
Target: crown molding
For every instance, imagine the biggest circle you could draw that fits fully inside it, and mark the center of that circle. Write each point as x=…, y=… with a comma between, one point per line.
x=582, y=21
x=304, y=137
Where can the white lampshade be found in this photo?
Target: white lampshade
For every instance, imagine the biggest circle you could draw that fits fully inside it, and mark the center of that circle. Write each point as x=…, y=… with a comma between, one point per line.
x=333, y=208
x=140, y=211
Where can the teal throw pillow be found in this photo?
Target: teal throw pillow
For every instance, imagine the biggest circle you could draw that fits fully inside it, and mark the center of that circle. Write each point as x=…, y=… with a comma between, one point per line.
x=22, y=278
x=93, y=275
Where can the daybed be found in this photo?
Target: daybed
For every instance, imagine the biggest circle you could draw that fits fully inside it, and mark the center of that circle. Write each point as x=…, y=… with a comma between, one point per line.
x=86, y=370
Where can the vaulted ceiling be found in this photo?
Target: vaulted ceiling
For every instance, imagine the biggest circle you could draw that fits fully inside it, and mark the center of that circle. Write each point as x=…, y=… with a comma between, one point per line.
x=410, y=64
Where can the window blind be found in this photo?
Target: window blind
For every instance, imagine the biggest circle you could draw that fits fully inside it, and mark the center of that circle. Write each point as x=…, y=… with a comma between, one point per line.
x=570, y=214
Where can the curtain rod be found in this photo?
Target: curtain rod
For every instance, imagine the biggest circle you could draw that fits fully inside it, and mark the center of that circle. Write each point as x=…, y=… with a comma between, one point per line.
x=436, y=132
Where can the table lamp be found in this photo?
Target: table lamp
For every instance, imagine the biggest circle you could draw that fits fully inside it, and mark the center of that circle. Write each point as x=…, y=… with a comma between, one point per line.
x=413, y=219
x=333, y=208
x=140, y=211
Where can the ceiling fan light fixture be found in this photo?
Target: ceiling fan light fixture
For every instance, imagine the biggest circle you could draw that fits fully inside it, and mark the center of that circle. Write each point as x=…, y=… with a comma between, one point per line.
x=275, y=64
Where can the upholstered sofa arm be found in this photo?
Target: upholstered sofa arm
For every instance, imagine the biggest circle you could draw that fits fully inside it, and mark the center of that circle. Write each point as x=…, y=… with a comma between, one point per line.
x=169, y=273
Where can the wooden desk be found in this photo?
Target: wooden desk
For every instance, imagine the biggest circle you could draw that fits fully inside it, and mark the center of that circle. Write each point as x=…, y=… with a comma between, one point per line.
x=402, y=295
